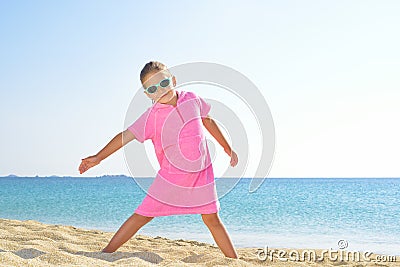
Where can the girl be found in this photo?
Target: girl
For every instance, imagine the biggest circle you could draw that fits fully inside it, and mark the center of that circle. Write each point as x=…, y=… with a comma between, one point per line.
x=185, y=182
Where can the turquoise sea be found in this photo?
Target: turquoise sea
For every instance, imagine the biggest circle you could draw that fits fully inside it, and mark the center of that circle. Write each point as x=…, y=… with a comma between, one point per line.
x=283, y=212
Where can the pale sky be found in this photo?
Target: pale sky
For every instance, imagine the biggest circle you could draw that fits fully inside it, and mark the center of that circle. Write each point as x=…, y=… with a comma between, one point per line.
x=329, y=71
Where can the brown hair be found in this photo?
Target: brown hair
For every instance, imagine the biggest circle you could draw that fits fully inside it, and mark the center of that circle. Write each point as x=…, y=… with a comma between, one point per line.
x=152, y=66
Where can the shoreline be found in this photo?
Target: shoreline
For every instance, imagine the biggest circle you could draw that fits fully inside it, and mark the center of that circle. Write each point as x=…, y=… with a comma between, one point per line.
x=32, y=243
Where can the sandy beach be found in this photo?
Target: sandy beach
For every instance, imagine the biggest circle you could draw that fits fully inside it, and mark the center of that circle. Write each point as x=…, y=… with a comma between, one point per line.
x=31, y=243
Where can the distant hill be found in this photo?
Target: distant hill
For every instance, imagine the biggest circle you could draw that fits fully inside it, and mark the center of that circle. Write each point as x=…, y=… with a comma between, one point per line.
x=114, y=175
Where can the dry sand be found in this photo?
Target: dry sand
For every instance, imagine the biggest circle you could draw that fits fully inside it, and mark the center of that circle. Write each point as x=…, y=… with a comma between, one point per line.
x=31, y=243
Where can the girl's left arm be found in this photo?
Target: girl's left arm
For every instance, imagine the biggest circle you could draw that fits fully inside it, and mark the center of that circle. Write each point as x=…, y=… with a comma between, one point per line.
x=214, y=130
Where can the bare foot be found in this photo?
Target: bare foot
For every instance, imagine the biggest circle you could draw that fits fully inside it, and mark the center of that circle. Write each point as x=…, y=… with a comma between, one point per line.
x=105, y=251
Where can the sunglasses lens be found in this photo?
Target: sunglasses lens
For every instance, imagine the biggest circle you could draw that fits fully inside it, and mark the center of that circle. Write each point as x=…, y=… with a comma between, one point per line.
x=164, y=83
x=152, y=89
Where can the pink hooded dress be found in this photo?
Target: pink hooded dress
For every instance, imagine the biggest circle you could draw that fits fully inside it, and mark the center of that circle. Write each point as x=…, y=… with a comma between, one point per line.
x=185, y=181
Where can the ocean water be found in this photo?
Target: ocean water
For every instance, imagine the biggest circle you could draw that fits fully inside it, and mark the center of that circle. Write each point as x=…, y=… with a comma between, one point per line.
x=284, y=212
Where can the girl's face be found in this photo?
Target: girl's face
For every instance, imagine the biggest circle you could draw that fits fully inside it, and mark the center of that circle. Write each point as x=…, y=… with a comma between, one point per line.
x=163, y=94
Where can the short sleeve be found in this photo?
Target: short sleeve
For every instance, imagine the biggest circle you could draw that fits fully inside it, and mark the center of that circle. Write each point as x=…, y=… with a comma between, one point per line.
x=204, y=107
x=143, y=127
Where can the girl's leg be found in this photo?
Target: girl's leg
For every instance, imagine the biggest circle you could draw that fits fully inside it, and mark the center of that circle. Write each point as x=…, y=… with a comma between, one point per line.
x=221, y=237
x=126, y=231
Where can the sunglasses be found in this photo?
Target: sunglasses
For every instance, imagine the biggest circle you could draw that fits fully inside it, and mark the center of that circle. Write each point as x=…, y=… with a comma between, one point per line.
x=153, y=88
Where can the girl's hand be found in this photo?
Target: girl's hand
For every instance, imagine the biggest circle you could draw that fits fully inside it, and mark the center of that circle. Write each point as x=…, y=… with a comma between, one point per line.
x=88, y=163
x=234, y=159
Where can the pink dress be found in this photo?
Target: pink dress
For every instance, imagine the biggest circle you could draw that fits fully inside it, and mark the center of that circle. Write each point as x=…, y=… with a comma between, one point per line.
x=185, y=183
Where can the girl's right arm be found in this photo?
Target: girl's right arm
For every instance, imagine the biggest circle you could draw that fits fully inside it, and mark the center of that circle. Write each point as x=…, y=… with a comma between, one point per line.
x=116, y=143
